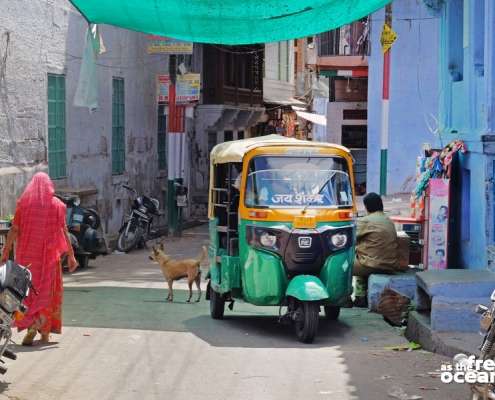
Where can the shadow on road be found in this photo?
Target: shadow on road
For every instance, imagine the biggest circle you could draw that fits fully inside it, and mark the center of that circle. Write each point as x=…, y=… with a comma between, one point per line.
x=146, y=309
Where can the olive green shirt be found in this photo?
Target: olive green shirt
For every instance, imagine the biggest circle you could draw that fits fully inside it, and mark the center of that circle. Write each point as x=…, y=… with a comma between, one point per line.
x=376, y=241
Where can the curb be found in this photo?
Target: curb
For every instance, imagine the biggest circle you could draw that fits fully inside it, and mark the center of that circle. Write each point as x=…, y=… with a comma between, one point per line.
x=446, y=344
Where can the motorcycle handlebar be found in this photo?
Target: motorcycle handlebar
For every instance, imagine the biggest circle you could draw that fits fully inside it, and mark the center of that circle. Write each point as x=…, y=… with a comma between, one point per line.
x=129, y=188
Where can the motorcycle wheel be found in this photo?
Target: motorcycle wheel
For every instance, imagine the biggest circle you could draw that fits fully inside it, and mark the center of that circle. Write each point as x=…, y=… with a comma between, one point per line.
x=217, y=304
x=332, y=312
x=83, y=261
x=125, y=242
x=306, y=320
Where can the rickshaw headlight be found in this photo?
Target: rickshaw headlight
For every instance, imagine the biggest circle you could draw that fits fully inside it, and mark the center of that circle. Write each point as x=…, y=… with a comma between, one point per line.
x=267, y=239
x=339, y=239
x=76, y=201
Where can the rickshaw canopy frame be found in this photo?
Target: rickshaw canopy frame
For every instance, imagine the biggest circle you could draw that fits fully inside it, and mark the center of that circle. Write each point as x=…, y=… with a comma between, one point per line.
x=234, y=151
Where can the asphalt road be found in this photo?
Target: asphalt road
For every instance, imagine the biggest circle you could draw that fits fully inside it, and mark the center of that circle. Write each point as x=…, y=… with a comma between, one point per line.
x=122, y=340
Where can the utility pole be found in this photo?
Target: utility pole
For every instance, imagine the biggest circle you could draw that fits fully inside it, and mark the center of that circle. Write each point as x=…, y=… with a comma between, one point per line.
x=385, y=99
x=172, y=211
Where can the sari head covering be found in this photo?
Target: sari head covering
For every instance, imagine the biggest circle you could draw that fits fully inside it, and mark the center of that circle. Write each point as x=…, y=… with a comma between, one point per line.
x=41, y=241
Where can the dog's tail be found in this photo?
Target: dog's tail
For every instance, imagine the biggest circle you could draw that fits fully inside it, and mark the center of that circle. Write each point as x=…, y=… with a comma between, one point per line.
x=203, y=256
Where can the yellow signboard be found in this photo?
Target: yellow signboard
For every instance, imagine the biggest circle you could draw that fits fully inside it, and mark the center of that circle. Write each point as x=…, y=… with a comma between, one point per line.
x=162, y=44
x=388, y=38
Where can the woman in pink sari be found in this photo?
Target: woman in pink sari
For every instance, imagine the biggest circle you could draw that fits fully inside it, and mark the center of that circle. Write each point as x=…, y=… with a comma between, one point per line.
x=42, y=237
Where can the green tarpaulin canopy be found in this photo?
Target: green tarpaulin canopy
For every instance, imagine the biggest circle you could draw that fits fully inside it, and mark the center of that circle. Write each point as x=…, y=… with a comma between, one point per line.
x=228, y=21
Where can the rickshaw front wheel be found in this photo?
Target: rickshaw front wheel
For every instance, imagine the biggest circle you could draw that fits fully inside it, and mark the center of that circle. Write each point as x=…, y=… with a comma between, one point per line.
x=306, y=320
x=217, y=304
x=332, y=312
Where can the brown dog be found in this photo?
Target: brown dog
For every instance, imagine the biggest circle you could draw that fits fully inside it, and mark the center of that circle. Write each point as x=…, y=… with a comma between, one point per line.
x=173, y=270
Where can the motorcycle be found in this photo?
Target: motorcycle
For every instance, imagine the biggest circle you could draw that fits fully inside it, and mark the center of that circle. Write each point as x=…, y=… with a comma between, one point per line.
x=82, y=225
x=483, y=391
x=137, y=227
x=15, y=284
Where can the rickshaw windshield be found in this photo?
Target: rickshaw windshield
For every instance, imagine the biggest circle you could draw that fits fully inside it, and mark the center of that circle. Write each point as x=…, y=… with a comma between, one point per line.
x=279, y=181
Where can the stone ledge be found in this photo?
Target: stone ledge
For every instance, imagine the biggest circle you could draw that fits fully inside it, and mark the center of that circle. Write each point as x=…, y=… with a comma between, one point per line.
x=451, y=282
x=76, y=191
x=456, y=314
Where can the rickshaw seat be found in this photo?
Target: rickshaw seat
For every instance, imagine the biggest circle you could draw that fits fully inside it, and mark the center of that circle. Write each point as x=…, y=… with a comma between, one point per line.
x=234, y=206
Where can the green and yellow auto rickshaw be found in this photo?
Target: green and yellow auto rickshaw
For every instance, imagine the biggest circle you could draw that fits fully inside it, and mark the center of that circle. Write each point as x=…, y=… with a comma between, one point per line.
x=282, y=217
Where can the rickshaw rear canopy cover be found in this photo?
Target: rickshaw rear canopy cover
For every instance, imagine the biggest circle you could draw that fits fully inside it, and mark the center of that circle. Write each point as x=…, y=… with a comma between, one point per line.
x=236, y=150
x=227, y=21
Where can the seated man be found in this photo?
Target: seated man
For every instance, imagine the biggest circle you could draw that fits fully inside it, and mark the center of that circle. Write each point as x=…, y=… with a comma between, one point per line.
x=376, y=247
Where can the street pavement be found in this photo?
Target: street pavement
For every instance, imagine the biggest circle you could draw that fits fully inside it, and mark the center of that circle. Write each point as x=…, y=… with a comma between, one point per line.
x=122, y=340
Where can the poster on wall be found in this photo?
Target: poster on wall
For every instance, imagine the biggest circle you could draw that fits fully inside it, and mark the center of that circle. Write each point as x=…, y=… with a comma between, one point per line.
x=438, y=223
x=186, y=88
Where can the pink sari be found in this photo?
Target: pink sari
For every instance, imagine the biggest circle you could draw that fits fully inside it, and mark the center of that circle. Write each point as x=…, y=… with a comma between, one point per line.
x=41, y=241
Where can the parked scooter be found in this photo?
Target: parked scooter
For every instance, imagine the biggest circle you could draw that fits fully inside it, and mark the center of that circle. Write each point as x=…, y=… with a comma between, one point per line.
x=137, y=227
x=15, y=283
x=82, y=225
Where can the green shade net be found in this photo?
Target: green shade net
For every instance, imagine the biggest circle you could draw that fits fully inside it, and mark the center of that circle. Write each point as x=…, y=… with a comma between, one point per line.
x=228, y=21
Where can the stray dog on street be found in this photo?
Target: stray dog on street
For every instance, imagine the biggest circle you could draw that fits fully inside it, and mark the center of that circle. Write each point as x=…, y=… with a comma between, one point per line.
x=173, y=270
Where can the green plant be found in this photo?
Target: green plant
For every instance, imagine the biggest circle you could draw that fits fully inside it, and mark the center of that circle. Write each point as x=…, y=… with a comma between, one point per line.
x=9, y=217
x=405, y=314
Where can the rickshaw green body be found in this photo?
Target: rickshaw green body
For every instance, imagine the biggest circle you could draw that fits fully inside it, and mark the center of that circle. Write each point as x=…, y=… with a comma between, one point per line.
x=258, y=276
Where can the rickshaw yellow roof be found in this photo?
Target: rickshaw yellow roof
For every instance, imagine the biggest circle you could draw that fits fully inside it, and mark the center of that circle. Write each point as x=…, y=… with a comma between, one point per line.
x=235, y=151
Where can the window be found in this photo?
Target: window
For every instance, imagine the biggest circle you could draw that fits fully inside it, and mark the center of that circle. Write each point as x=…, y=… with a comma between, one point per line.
x=118, y=127
x=57, y=165
x=298, y=181
x=162, y=138
x=479, y=37
x=456, y=30
x=352, y=39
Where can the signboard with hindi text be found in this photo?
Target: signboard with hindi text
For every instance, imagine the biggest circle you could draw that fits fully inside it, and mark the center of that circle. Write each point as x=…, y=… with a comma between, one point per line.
x=387, y=38
x=163, y=44
x=186, y=88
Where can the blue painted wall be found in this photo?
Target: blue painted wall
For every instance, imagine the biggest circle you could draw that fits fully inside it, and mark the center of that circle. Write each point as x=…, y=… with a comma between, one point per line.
x=441, y=66
x=414, y=93
x=466, y=113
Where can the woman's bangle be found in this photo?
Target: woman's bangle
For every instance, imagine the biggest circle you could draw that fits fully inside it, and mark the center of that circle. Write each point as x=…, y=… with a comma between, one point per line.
x=6, y=249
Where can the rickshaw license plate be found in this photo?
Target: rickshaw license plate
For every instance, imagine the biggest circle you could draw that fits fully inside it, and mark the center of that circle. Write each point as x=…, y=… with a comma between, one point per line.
x=304, y=222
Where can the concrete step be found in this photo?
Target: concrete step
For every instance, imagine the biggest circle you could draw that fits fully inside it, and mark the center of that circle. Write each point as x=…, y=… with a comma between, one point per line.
x=450, y=314
x=402, y=282
x=447, y=344
x=456, y=283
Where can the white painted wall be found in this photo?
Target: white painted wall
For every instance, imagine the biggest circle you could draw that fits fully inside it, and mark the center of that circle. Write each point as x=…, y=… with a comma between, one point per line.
x=37, y=38
x=275, y=86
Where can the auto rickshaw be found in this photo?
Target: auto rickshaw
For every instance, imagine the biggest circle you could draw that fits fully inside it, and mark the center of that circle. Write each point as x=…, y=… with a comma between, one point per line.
x=284, y=234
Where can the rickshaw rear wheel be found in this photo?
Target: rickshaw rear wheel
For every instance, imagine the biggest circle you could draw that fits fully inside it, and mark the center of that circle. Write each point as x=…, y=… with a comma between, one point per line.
x=217, y=304
x=307, y=313
x=332, y=312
